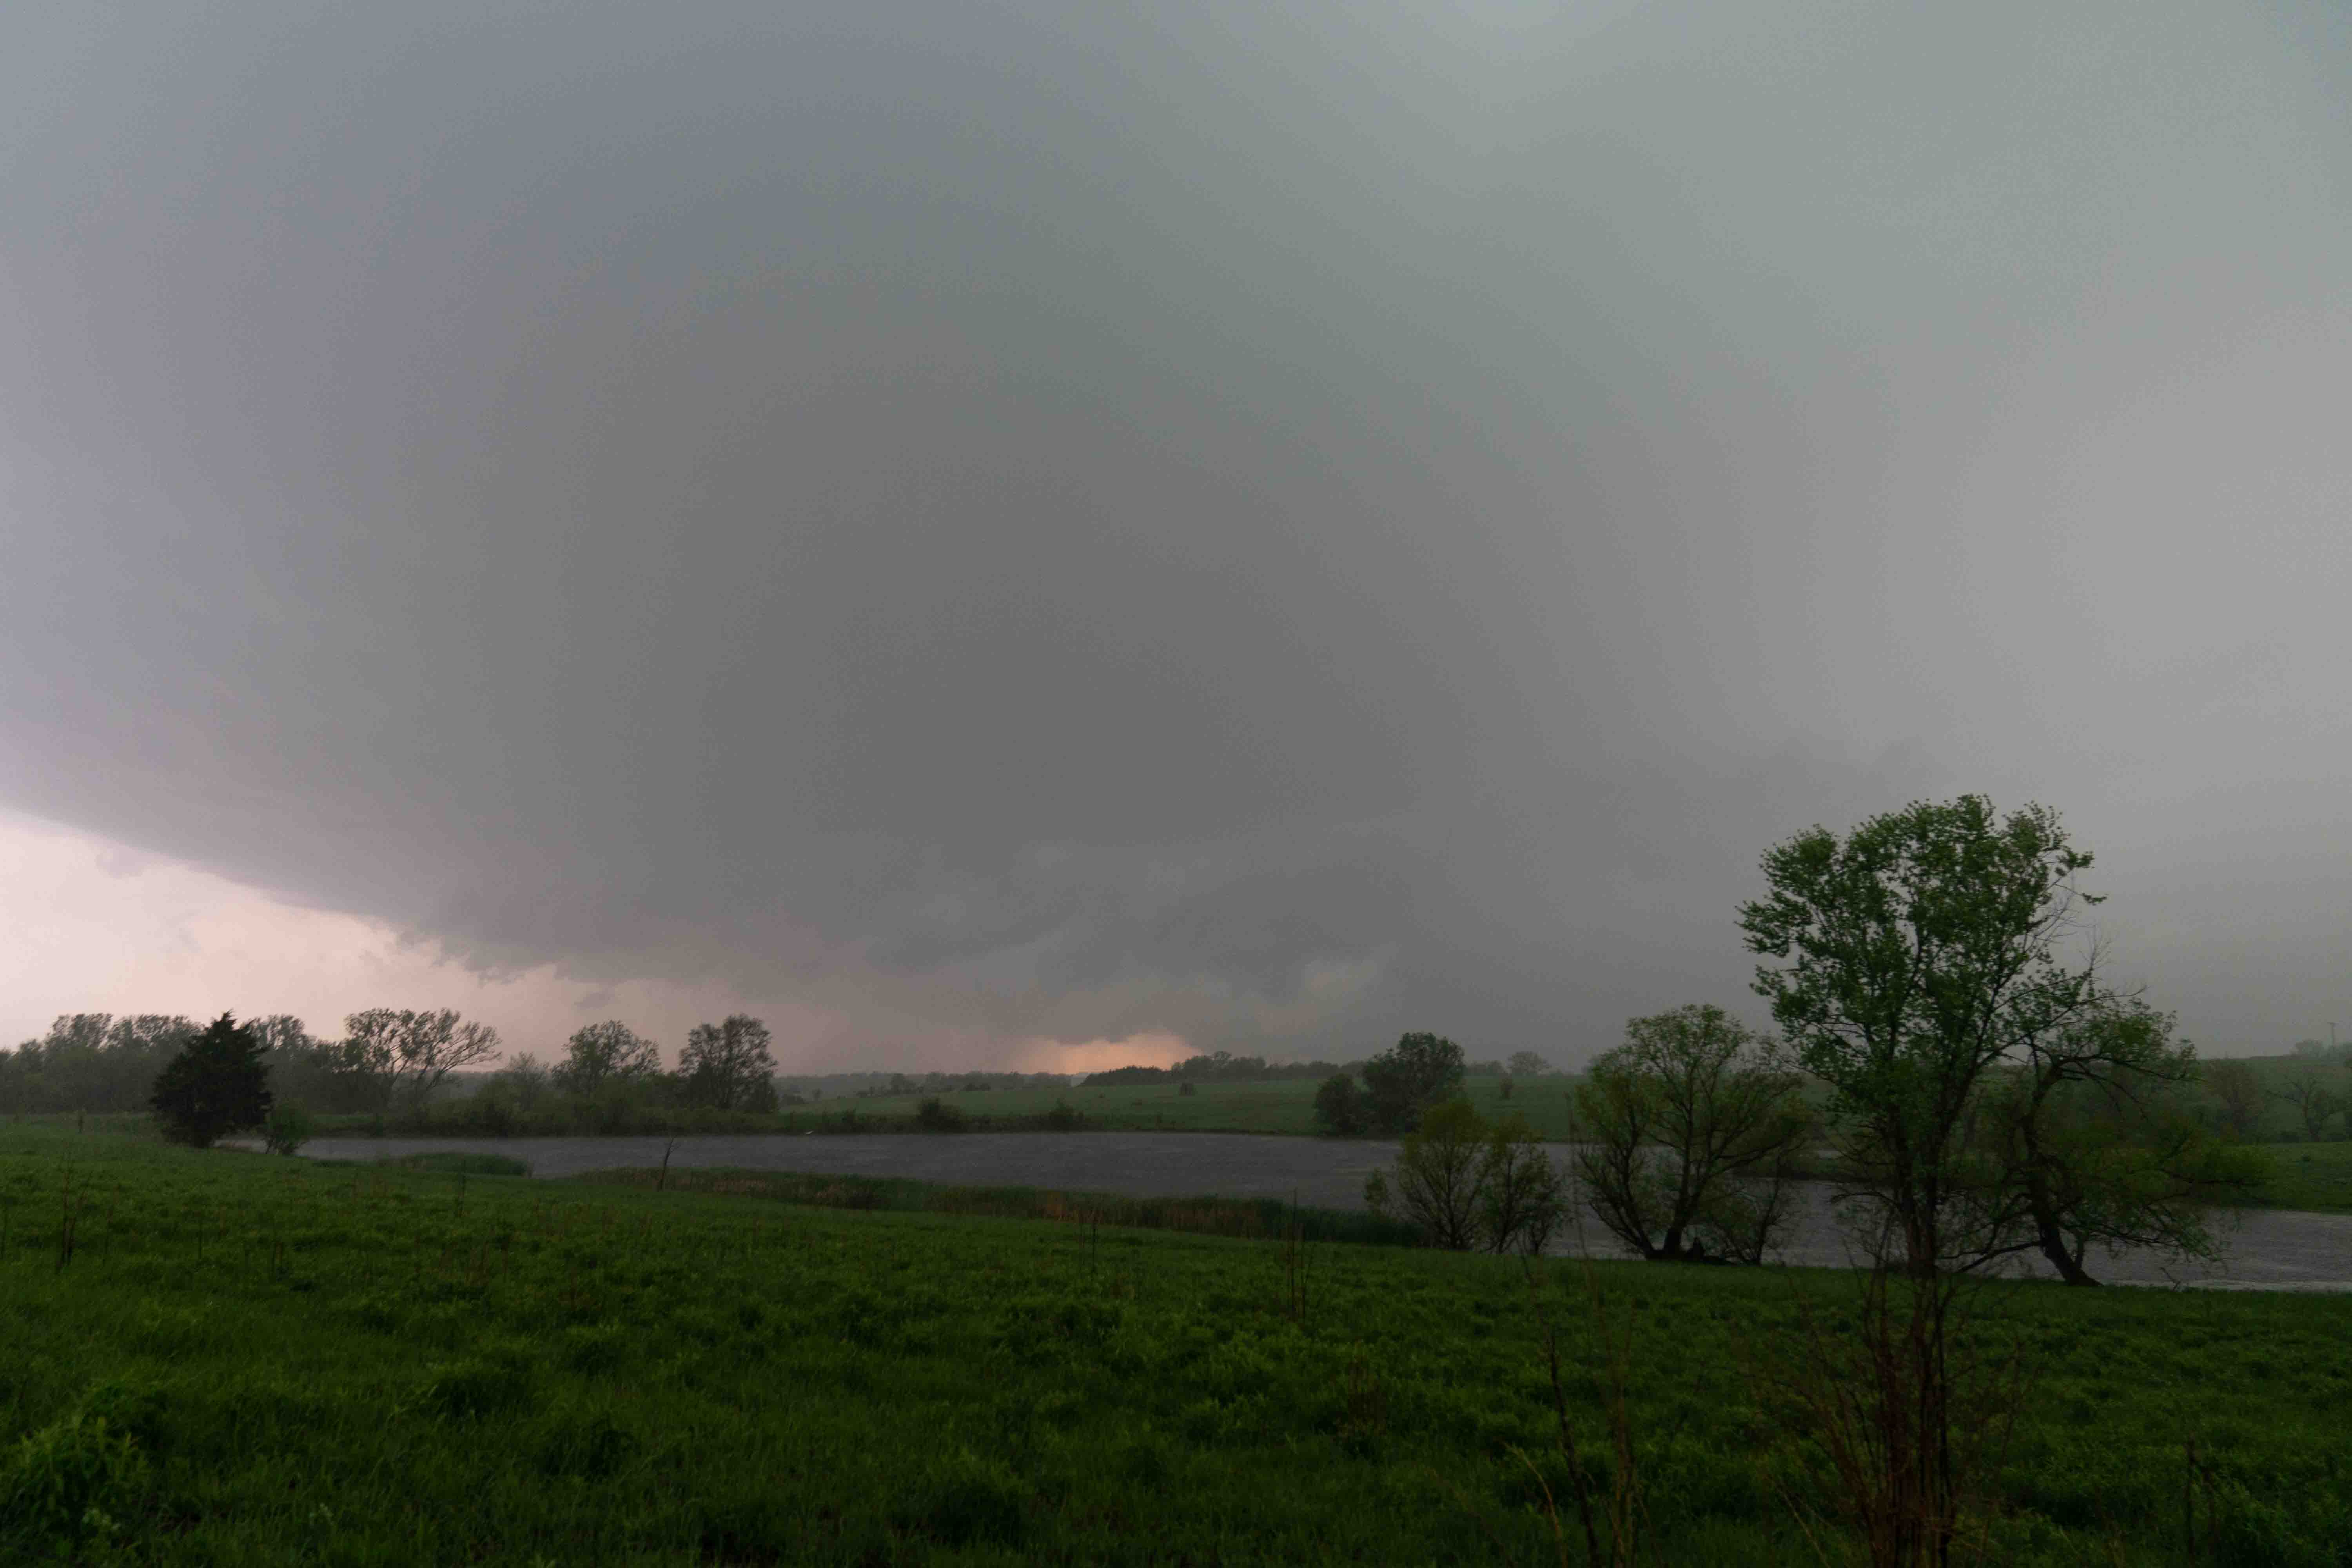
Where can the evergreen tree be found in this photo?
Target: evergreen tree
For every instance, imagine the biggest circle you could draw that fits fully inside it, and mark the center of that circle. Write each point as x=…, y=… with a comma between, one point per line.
x=217, y=1084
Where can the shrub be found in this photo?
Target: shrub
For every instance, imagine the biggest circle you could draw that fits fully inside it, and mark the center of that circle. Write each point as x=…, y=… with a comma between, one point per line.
x=57, y=1485
x=1522, y=1195
x=1340, y=1107
x=933, y=1114
x=1064, y=1117
x=1439, y=1175
x=287, y=1128
x=1461, y=1183
x=1686, y=1134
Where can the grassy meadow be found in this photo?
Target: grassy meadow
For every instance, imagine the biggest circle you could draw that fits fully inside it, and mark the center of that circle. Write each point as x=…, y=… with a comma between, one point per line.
x=2315, y=1176
x=1254, y=1218
x=229, y=1358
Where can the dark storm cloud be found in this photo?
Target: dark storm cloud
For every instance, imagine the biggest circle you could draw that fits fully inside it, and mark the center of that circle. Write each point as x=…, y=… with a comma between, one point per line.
x=1065, y=521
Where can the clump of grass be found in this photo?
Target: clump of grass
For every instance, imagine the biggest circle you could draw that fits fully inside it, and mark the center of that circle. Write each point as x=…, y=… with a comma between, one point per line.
x=964, y=1499
x=500, y=1382
x=591, y=1446
x=62, y=1487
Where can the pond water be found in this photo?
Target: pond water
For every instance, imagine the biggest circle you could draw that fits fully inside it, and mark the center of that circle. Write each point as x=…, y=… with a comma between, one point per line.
x=2268, y=1248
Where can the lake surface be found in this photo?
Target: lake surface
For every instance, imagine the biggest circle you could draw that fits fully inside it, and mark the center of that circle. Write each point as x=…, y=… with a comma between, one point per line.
x=2269, y=1249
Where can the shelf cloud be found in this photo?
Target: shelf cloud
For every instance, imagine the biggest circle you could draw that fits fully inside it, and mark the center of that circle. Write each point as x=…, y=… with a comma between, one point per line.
x=1246, y=526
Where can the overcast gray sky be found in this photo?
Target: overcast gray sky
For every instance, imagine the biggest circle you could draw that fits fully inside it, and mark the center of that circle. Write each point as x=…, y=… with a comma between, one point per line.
x=989, y=525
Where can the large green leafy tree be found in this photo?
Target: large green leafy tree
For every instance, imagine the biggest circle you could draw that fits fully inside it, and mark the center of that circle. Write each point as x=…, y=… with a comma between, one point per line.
x=1991, y=1094
x=394, y=1049
x=215, y=1085
x=1919, y=953
x=727, y=1066
x=610, y=1052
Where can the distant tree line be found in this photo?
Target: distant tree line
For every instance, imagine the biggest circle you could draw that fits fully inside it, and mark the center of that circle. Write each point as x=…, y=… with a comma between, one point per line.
x=396, y=1065
x=1223, y=1067
x=92, y=1061
x=100, y=1063
x=903, y=1083
x=610, y=1079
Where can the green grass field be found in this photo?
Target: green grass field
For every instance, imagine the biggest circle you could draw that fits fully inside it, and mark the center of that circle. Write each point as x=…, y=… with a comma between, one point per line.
x=232, y=1359
x=2316, y=1176
x=1256, y=1218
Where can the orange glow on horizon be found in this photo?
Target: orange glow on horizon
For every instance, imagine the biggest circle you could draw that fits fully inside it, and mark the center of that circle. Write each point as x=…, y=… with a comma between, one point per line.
x=1157, y=1049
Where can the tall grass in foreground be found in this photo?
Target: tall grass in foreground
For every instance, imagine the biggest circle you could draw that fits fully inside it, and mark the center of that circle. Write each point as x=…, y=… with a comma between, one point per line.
x=253, y=1361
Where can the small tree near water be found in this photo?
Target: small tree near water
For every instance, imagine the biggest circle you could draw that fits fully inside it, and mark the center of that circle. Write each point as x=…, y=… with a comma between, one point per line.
x=1436, y=1185
x=1686, y=1134
x=2094, y=1143
x=287, y=1128
x=1465, y=1182
x=215, y=1085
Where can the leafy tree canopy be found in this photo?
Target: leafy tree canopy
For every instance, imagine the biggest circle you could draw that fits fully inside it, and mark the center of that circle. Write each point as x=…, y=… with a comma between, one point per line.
x=1935, y=975
x=1685, y=1134
x=727, y=1066
x=609, y=1052
x=1404, y=1081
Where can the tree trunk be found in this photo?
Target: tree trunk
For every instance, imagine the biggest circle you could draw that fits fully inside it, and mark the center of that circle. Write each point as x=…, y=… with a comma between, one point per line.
x=2052, y=1238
